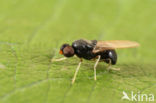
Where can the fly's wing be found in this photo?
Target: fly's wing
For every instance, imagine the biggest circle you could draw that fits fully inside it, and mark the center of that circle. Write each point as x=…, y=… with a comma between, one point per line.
x=114, y=44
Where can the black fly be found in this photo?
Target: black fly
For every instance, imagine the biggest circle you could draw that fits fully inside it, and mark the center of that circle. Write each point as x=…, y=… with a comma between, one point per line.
x=93, y=49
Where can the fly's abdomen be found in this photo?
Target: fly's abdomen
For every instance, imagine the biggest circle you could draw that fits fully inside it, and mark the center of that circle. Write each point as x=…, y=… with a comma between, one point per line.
x=109, y=55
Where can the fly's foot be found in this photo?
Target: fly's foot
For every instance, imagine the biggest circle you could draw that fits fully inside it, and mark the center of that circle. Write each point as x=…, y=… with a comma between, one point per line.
x=57, y=60
x=116, y=69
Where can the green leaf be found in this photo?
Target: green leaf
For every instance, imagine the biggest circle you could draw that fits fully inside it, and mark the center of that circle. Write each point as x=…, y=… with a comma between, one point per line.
x=32, y=31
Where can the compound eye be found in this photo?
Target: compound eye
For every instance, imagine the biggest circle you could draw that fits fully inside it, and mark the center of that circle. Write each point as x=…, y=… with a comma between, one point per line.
x=68, y=51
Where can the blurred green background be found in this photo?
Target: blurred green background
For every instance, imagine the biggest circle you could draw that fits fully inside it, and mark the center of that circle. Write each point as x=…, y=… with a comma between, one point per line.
x=32, y=31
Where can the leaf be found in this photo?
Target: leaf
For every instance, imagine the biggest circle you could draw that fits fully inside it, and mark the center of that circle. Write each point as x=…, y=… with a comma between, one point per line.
x=32, y=31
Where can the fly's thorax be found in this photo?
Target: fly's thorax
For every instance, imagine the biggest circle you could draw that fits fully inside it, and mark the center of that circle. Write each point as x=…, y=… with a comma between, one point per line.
x=84, y=49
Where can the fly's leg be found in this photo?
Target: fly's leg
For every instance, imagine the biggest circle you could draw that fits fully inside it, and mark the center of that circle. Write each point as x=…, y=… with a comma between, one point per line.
x=77, y=69
x=110, y=66
x=96, y=66
x=57, y=60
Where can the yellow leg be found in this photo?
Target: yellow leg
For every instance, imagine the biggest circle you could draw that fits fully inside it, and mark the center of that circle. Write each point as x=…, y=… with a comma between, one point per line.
x=110, y=66
x=96, y=66
x=77, y=69
x=57, y=60
x=60, y=59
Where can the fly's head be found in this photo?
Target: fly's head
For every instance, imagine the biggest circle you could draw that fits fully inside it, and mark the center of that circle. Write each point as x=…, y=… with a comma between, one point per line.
x=67, y=50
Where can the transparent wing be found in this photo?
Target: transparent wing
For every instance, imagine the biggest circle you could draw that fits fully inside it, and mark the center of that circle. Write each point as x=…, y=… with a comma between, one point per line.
x=114, y=44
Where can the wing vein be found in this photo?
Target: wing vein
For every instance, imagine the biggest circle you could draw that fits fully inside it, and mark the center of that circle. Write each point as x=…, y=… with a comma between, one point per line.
x=114, y=44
